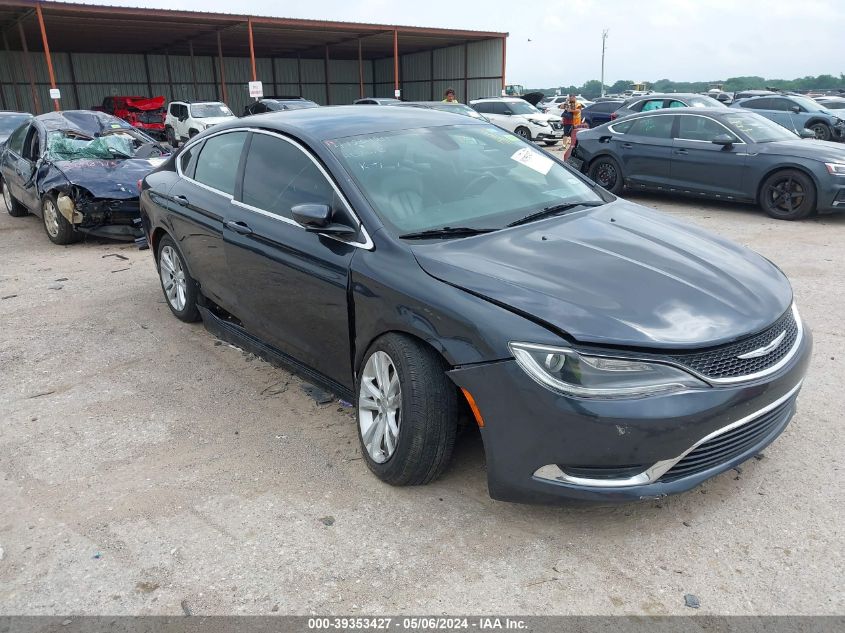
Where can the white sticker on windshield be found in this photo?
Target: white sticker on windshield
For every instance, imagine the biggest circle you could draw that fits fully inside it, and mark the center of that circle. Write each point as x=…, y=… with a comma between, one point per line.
x=533, y=160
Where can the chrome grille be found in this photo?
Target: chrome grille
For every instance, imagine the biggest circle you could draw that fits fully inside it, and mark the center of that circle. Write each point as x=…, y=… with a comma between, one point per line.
x=726, y=446
x=724, y=361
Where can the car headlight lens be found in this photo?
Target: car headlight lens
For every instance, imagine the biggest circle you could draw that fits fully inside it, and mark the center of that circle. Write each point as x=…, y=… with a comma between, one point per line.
x=572, y=373
x=836, y=169
x=539, y=122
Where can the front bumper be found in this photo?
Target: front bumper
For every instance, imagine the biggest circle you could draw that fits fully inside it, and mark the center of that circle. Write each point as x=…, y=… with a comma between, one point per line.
x=529, y=431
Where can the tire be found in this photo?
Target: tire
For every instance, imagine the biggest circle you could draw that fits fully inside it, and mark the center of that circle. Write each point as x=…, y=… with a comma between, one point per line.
x=788, y=194
x=822, y=131
x=170, y=136
x=424, y=411
x=523, y=132
x=192, y=133
x=606, y=172
x=13, y=207
x=58, y=229
x=550, y=143
x=179, y=288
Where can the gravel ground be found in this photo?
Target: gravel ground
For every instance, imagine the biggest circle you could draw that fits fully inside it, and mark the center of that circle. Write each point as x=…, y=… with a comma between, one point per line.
x=146, y=468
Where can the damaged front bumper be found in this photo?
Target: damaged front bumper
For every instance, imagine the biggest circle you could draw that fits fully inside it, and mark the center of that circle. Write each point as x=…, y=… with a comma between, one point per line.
x=118, y=219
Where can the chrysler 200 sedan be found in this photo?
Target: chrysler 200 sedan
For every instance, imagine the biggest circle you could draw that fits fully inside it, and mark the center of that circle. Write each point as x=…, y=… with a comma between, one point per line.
x=436, y=269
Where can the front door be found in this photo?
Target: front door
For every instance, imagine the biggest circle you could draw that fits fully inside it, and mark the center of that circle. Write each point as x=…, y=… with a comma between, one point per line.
x=646, y=150
x=292, y=284
x=699, y=165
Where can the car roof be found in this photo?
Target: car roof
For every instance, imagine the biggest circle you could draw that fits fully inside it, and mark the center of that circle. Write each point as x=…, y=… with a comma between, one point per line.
x=508, y=99
x=340, y=121
x=88, y=121
x=683, y=112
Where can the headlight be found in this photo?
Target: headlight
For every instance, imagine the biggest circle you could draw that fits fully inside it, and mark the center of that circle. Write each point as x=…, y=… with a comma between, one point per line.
x=835, y=169
x=539, y=122
x=571, y=373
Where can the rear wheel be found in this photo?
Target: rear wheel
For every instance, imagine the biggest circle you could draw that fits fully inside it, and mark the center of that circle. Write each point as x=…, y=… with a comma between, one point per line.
x=788, y=195
x=550, y=142
x=179, y=287
x=607, y=173
x=407, y=411
x=171, y=138
x=822, y=131
x=13, y=207
x=58, y=229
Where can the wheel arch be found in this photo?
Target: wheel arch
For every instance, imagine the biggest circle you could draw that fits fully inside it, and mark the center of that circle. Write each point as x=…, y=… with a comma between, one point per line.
x=785, y=167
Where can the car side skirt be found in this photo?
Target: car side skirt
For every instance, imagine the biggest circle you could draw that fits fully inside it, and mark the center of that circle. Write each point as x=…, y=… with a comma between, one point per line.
x=237, y=335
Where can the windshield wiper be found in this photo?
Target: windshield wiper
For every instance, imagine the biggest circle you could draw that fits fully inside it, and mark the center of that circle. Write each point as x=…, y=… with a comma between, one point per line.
x=554, y=209
x=445, y=231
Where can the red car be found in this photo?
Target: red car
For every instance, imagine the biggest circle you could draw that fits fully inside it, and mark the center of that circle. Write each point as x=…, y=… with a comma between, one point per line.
x=144, y=113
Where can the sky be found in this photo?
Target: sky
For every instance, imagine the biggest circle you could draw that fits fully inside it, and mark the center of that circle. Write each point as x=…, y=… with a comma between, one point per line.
x=558, y=42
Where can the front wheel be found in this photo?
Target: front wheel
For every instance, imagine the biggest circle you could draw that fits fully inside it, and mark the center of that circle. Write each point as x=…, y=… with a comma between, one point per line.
x=550, y=142
x=822, y=131
x=788, y=195
x=179, y=287
x=523, y=132
x=58, y=229
x=606, y=172
x=407, y=411
x=170, y=135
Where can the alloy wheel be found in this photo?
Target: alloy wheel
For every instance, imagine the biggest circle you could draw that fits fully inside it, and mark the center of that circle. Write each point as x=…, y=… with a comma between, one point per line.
x=51, y=217
x=380, y=407
x=606, y=175
x=523, y=133
x=173, y=278
x=786, y=195
x=7, y=197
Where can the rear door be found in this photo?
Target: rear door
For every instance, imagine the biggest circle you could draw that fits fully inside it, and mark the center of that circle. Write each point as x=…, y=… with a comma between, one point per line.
x=292, y=283
x=699, y=165
x=645, y=150
x=198, y=204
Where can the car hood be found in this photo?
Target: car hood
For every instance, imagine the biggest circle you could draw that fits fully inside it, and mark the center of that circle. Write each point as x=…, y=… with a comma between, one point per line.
x=215, y=120
x=618, y=274
x=825, y=151
x=116, y=179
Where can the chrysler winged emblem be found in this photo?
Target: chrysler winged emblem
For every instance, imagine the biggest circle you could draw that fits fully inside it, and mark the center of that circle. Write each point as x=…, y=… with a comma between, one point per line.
x=766, y=349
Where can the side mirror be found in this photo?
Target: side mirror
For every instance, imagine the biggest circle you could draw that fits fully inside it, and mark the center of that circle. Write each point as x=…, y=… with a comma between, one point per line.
x=318, y=219
x=508, y=113
x=806, y=133
x=795, y=109
x=725, y=140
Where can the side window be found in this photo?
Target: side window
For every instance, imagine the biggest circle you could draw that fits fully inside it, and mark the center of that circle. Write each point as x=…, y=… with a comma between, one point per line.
x=483, y=107
x=653, y=104
x=217, y=164
x=622, y=127
x=501, y=108
x=185, y=160
x=15, y=141
x=32, y=145
x=758, y=104
x=677, y=104
x=699, y=128
x=652, y=127
x=278, y=176
x=781, y=105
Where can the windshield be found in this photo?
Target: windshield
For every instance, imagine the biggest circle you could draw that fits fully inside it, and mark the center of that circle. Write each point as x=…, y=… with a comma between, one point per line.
x=10, y=123
x=476, y=176
x=758, y=128
x=705, y=102
x=209, y=110
x=75, y=145
x=522, y=107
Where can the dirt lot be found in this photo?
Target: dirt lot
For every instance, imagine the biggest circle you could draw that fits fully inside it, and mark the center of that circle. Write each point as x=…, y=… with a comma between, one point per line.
x=147, y=468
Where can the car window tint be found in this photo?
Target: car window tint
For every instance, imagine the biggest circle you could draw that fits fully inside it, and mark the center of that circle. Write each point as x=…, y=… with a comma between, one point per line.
x=605, y=106
x=217, y=165
x=278, y=175
x=15, y=141
x=185, y=159
x=781, y=105
x=653, y=104
x=482, y=107
x=32, y=145
x=652, y=127
x=677, y=104
x=621, y=127
x=699, y=128
x=758, y=104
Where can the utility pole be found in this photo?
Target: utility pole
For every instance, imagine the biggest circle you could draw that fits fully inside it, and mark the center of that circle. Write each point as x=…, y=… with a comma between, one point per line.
x=603, y=46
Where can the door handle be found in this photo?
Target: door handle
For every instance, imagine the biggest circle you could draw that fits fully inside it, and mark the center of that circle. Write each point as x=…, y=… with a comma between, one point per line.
x=683, y=152
x=627, y=145
x=239, y=227
x=181, y=201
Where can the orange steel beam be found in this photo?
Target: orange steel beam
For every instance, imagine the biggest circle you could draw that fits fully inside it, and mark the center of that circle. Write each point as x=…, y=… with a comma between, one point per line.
x=47, y=53
x=222, y=72
x=395, y=59
x=251, y=50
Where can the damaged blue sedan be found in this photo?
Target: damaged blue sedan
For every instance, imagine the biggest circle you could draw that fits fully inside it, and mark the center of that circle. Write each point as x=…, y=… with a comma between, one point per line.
x=79, y=171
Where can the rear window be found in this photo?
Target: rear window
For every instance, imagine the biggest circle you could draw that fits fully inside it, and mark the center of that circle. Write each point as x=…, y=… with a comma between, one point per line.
x=217, y=165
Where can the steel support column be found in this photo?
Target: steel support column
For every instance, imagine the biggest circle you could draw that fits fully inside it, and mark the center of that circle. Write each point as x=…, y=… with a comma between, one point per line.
x=299, y=72
x=395, y=61
x=251, y=49
x=222, y=70
x=36, y=103
x=193, y=69
x=326, y=77
x=47, y=53
x=466, y=72
x=147, y=72
x=73, y=85
x=504, y=60
x=360, y=72
x=171, y=96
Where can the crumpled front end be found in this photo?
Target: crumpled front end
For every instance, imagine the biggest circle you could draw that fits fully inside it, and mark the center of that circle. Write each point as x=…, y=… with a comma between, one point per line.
x=116, y=218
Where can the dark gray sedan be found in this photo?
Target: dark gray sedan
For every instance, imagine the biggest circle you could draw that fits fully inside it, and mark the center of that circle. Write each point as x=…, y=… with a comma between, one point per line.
x=718, y=153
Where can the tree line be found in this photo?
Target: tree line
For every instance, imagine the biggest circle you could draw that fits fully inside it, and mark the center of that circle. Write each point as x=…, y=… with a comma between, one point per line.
x=592, y=88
